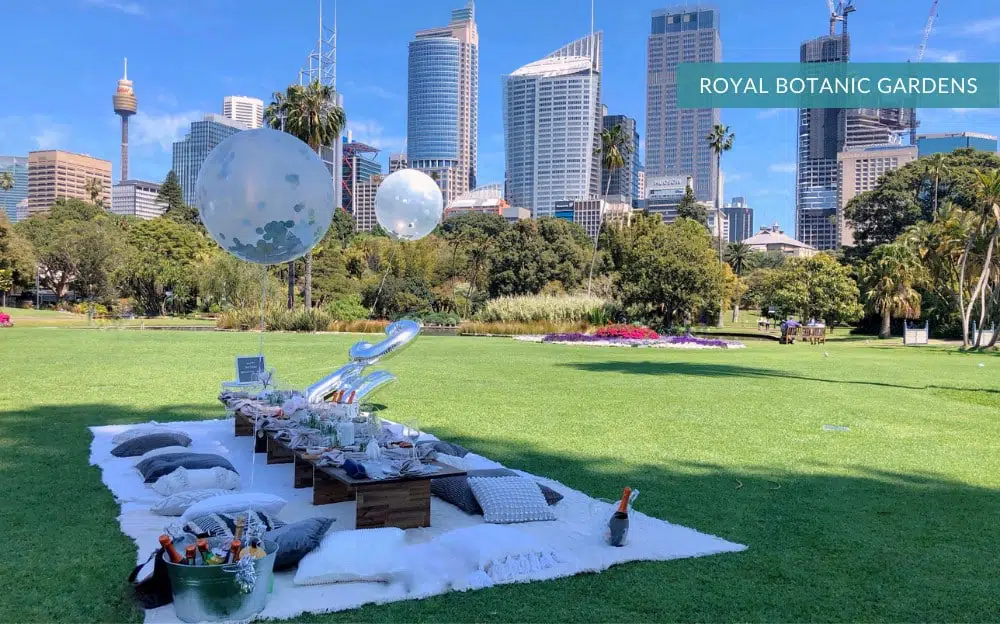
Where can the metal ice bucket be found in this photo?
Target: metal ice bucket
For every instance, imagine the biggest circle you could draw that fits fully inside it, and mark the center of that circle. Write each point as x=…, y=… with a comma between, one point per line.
x=211, y=594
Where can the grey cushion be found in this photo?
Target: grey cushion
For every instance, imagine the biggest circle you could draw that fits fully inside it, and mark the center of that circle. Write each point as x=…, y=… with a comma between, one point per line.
x=297, y=540
x=445, y=447
x=456, y=490
x=139, y=446
x=161, y=465
x=506, y=500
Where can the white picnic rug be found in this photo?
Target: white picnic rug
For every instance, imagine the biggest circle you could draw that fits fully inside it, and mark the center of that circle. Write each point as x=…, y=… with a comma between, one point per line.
x=576, y=535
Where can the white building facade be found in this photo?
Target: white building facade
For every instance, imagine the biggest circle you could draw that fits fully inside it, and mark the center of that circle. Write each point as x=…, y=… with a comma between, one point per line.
x=137, y=198
x=247, y=110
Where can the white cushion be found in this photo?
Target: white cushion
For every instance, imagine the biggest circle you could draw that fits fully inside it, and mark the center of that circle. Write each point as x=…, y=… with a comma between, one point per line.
x=510, y=499
x=350, y=556
x=162, y=451
x=176, y=504
x=140, y=430
x=182, y=480
x=502, y=553
x=469, y=462
x=235, y=503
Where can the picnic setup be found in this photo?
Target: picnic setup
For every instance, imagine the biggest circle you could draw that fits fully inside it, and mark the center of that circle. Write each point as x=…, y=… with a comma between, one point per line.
x=308, y=500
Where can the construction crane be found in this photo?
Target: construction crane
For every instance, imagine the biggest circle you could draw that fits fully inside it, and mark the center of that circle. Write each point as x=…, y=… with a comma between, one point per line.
x=920, y=57
x=839, y=13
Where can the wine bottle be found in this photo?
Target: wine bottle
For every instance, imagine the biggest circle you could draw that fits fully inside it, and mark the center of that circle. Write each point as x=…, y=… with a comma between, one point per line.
x=207, y=556
x=238, y=533
x=253, y=550
x=168, y=545
x=234, y=551
x=191, y=555
x=618, y=524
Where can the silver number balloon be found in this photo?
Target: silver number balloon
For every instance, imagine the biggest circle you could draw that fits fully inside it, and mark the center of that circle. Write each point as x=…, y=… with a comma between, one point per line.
x=368, y=384
x=399, y=334
x=332, y=382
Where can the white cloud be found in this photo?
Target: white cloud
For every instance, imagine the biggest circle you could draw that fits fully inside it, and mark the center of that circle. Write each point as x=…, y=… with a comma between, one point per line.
x=49, y=137
x=769, y=113
x=40, y=131
x=988, y=27
x=371, y=89
x=736, y=177
x=788, y=167
x=373, y=133
x=975, y=111
x=129, y=8
x=163, y=130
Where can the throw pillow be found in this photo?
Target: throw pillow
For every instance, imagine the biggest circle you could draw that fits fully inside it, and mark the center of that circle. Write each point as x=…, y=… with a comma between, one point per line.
x=502, y=553
x=447, y=448
x=296, y=540
x=161, y=451
x=506, y=500
x=177, y=504
x=456, y=490
x=224, y=524
x=235, y=503
x=182, y=480
x=351, y=556
x=141, y=430
x=148, y=442
x=161, y=465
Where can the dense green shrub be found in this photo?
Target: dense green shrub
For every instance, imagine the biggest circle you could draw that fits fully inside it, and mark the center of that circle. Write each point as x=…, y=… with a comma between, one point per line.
x=347, y=308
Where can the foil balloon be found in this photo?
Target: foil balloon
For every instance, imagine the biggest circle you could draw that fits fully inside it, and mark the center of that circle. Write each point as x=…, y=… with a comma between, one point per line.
x=408, y=204
x=399, y=334
x=368, y=384
x=332, y=382
x=265, y=196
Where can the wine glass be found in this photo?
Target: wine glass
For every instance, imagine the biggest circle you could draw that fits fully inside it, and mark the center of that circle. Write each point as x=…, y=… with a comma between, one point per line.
x=412, y=432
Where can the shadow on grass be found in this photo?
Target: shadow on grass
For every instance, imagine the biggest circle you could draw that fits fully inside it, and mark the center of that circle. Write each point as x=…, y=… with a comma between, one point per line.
x=869, y=545
x=730, y=370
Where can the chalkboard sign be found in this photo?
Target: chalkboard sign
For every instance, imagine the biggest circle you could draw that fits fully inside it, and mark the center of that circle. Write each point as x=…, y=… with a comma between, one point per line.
x=249, y=368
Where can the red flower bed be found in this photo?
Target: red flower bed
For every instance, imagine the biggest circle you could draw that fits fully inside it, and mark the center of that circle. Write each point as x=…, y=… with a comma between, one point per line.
x=627, y=332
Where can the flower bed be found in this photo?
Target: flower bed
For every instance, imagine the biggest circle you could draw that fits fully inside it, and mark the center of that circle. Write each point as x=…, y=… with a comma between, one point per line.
x=626, y=332
x=676, y=342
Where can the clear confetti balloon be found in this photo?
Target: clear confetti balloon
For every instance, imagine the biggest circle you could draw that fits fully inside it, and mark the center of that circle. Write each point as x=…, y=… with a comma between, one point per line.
x=265, y=196
x=408, y=204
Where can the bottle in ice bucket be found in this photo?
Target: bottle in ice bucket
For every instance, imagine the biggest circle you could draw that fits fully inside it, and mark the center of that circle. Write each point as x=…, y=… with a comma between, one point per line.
x=207, y=556
x=617, y=534
x=234, y=551
x=253, y=550
x=191, y=555
x=168, y=545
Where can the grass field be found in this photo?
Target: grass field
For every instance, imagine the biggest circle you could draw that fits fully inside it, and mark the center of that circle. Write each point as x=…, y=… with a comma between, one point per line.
x=893, y=520
x=52, y=318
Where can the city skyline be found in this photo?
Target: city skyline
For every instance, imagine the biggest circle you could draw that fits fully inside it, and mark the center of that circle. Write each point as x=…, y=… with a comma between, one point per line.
x=181, y=85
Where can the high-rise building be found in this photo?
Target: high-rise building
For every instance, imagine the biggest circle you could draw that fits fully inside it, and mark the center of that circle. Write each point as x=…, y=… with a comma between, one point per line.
x=552, y=123
x=359, y=166
x=640, y=184
x=623, y=181
x=822, y=134
x=22, y=209
x=663, y=195
x=398, y=161
x=442, y=109
x=137, y=198
x=713, y=215
x=246, y=110
x=125, y=106
x=190, y=153
x=675, y=137
x=740, y=219
x=55, y=174
x=948, y=142
x=17, y=167
x=364, y=204
x=859, y=169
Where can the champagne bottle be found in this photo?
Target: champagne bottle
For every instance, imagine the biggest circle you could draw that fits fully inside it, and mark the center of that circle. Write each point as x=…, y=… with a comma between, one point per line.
x=253, y=550
x=618, y=524
x=191, y=553
x=168, y=545
x=238, y=533
x=234, y=551
x=207, y=556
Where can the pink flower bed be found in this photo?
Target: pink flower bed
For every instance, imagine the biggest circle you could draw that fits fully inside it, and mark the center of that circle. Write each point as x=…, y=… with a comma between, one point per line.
x=626, y=332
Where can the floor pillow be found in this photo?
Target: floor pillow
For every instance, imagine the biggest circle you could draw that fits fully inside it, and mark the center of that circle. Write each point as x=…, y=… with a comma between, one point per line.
x=456, y=490
x=237, y=502
x=161, y=465
x=163, y=450
x=182, y=480
x=352, y=556
x=447, y=448
x=177, y=504
x=148, y=442
x=141, y=430
x=502, y=553
x=296, y=540
x=507, y=500
x=224, y=524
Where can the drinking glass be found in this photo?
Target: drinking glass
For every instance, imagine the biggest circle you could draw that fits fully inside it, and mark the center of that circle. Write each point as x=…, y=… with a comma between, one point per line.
x=412, y=432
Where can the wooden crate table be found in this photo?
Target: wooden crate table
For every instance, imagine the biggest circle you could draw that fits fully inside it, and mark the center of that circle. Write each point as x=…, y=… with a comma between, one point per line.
x=402, y=502
x=244, y=427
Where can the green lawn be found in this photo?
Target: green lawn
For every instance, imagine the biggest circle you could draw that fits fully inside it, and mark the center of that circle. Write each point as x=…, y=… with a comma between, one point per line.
x=53, y=318
x=893, y=520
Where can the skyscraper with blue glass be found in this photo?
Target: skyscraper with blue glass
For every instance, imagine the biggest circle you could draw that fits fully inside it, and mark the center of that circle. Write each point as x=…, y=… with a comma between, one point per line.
x=442, y=106
x=17, y=167
x=190, y=153
x=625, y=180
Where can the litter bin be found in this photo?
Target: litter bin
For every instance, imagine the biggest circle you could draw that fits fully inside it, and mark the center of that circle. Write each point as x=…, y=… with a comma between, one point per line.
x=211, y=593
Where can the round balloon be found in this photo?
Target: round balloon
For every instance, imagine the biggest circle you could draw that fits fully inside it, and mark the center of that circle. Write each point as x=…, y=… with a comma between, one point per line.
x=265, y=196
x=408, y=204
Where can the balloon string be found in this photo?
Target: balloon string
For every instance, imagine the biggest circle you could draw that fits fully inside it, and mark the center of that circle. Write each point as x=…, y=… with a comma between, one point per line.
x=392, y=254
x=263, y=304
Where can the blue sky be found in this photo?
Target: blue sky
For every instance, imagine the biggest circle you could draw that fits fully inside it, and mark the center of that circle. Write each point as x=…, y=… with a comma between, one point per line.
x=63, y=58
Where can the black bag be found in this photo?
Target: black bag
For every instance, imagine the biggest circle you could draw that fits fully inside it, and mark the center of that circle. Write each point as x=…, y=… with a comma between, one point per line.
x=153, y=591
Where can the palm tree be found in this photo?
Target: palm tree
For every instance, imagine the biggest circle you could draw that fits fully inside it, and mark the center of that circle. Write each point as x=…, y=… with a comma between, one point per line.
x=988, y=190
x=738, y=256
x=615, y=146
x=309, y=113
x=720, y=140
x=889, y=277
x=95, y=189
x=6, y=184
x=937, y=168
